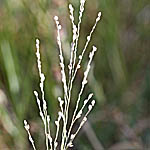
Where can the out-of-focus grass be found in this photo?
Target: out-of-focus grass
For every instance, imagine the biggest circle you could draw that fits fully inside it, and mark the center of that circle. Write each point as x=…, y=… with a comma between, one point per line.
x=120, y=78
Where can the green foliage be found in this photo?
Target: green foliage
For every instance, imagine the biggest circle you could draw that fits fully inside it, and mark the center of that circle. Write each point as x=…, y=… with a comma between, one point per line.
x=120, y=77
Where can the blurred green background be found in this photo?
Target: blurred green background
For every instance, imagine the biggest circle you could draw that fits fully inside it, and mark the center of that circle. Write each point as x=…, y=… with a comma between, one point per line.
x=119, y=78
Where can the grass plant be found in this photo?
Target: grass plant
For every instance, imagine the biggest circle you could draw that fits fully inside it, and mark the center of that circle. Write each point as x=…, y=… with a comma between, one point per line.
x=67, y=134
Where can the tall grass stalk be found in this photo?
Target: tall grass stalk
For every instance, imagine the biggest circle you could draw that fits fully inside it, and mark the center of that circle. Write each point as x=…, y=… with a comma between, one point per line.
x=67, y=135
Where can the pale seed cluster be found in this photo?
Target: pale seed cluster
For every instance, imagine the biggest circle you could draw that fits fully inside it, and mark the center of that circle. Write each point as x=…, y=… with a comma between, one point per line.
x=67, y=136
